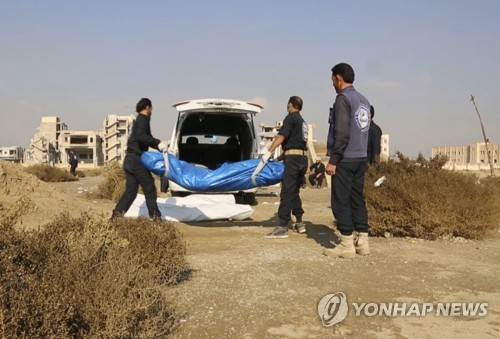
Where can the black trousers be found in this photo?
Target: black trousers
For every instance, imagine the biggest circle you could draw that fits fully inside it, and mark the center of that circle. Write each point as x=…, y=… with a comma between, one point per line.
x=72, y=170
x=312, y=179
x=137, y=174
x=348, y=201
x=293, y=176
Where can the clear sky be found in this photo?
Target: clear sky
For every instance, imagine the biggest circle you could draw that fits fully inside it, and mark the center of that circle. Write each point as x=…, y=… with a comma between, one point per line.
x=417, y=62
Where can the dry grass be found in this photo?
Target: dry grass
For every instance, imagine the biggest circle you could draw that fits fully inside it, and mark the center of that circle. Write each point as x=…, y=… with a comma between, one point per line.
x=113, y=185
x=419, y=199
x=49, y=173
x=94, y=172
x=88, y=278
x=114, y=182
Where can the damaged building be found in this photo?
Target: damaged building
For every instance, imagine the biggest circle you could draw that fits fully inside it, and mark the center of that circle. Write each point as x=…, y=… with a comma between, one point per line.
x=53, y=141
x=12, y=154
x=115, y=132
x=43, y=147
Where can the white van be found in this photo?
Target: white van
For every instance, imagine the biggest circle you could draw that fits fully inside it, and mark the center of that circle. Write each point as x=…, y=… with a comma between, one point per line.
x=210, y=132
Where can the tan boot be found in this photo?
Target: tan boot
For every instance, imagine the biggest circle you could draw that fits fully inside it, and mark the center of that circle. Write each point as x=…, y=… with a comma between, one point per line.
x=343, y=250
x=362, y=247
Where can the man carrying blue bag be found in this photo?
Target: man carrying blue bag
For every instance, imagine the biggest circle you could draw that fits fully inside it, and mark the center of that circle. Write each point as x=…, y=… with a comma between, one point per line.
x=139, y=141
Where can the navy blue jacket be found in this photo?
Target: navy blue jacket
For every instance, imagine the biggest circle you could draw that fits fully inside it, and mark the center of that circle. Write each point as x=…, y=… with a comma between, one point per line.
x=140, y=139
x=349, y=124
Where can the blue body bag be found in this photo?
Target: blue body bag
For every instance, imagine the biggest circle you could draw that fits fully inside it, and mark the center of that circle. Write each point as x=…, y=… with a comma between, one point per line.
x=230, y=176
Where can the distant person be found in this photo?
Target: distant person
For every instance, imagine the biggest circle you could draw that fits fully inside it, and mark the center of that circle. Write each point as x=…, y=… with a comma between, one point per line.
x=347, y=143
x=374, y=138
x=318, y=173
x=292, y=137
x=73, y=163
x=139, y=141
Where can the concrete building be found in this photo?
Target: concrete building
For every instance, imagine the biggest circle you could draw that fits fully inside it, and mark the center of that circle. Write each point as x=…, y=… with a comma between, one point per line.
x=268, y=132
x=53, y=141
x=13, y=154
x=44, y=147
x=267, y=135
x=87, y=146
x=470, y=157
x=384, y=147
x=116, y=130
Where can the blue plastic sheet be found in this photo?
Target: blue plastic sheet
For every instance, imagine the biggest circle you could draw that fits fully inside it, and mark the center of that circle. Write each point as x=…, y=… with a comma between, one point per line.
x=235, y=176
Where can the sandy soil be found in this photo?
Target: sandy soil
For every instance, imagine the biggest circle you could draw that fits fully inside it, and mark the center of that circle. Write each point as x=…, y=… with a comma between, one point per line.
x=245, y=286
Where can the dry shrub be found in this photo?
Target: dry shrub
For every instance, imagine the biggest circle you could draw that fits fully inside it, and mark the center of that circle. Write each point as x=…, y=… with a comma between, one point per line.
x=15, y=181
x=94, y=172
x=113, y=185
x=49, y=173
x=492, y=181
x=114, y=182
x=87, y=277
x=11, y=215
x=420, y=199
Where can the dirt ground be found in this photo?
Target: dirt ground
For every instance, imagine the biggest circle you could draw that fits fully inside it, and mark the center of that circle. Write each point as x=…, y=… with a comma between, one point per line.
x=242, y=285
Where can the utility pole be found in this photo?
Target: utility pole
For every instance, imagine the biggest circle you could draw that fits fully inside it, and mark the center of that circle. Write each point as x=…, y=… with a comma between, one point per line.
x=486, y=141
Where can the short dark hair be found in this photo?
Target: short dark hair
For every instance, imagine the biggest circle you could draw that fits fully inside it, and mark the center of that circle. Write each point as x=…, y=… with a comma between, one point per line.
x=372, y=111
x=345, y=71
x=142, y=104
x=296, y=102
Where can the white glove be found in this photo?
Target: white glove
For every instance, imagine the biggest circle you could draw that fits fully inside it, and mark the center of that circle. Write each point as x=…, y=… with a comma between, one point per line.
x=162, y=146
x=266, y=155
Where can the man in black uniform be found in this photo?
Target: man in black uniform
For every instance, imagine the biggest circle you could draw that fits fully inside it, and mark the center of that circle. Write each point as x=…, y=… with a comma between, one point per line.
x=374, y=137
x=347, y=143
x=140, y=139
x=73, y=162
x=292, y=137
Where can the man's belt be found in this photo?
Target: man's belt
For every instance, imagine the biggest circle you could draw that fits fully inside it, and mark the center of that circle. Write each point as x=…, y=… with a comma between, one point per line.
x=295, y=152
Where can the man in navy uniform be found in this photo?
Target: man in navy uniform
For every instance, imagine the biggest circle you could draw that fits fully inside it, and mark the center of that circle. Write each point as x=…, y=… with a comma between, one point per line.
x=73, y=162
x=292, y=137
x=374, y=138
x=139, y=141
x=347, y=147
